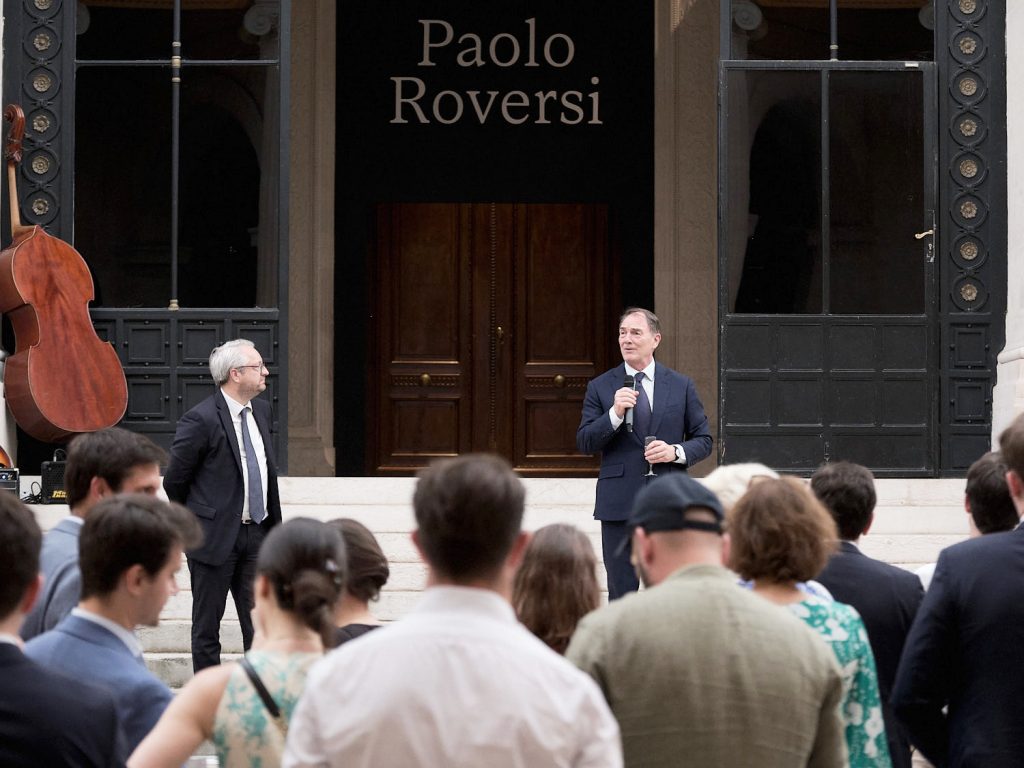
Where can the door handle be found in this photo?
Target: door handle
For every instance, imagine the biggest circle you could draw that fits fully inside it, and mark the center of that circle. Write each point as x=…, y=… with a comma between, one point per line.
x=923, y=235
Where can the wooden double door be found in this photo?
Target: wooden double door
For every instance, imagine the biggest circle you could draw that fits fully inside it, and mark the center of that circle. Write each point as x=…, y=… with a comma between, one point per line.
x=490, y=320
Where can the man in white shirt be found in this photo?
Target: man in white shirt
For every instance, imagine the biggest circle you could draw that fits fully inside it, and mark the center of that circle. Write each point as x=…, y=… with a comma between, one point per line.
x=130, y=551
x=99, y=464
x=458, y=682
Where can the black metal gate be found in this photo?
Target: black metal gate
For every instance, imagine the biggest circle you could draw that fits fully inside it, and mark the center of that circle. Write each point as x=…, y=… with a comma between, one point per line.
x=827, y=284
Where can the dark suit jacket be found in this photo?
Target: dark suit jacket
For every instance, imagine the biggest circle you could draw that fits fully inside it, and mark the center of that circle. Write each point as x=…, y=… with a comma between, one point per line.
x=887, y=599
x=677, y=417
x=205, y=474
x=49, y=719
x=964, y=649
x=92, y=653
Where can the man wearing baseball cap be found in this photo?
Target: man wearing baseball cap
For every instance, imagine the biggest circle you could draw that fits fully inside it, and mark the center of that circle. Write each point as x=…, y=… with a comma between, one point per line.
x=698, y=670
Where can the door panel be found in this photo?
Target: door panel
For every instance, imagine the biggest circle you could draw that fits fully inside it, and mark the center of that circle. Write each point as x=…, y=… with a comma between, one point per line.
x=827, y=302
x=492, y=318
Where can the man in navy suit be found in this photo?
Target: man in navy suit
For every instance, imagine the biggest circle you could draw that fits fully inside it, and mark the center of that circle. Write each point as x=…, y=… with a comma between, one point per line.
x=45, y=718
x=886, y=597
x=130, y=551
x=99, y=464
x=222, y=468
x=661, y=404
x=963, y=651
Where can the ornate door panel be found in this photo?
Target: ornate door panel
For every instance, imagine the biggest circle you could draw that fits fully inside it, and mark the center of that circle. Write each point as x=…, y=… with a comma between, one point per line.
x=491, y=318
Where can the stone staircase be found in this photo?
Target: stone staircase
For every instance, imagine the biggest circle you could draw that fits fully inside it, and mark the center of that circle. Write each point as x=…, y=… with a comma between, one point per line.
x=914, y=520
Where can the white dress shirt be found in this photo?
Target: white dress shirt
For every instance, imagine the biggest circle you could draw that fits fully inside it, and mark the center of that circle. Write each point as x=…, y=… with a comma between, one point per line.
x=257, y=443
x=458, y=682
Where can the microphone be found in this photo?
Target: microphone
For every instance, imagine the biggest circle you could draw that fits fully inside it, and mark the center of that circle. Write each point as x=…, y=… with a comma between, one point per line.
x=631, y=383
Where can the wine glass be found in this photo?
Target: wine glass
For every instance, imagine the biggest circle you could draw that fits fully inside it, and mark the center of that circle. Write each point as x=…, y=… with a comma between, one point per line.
x=650, y=467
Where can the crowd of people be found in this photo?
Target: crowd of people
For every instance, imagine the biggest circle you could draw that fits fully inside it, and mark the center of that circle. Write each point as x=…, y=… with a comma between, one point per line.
x=763, y=637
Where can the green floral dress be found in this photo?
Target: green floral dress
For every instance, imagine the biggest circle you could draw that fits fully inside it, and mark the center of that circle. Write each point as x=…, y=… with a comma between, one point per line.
x=243, y=732
x=841, y=627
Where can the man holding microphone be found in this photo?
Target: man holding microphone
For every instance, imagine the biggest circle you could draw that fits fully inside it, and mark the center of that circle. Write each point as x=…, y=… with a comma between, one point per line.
x=643, y=417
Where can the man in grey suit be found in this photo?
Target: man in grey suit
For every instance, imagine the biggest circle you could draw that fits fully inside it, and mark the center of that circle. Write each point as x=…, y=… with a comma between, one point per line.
x=695, y=665
x=131, y=549
x=99, y=464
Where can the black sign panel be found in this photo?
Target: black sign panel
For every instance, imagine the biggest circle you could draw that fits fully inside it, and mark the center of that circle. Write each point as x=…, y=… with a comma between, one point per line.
x=462, y=100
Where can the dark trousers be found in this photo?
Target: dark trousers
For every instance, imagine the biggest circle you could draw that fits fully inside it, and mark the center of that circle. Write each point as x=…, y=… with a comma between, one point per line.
x=210, y=586
x=622, y=578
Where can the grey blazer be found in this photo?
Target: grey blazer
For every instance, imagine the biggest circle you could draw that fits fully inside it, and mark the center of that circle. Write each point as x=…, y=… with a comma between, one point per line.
x=62, y=581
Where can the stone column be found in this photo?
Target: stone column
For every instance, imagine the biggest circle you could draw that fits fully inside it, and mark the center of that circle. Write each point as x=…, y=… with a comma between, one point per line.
x=1008, y=394
x=686, y=194
x=311, y=241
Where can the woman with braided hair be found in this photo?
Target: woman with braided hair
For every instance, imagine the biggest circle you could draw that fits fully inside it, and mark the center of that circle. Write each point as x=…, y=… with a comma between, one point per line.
x=244, y=707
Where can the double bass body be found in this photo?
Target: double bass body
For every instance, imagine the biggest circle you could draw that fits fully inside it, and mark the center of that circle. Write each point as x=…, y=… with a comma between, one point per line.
x=62, y=379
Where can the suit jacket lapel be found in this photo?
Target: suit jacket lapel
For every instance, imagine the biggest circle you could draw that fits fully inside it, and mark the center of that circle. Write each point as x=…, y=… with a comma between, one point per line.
x=662, y=393
x=229, y=428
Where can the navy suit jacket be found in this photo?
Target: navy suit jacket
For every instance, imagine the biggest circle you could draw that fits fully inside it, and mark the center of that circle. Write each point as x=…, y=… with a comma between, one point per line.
x=964, y=650
x=677, y=417
x=50, y=719
x=62, y=581
x=205, y=474
x=887, y=599
x=83, y=649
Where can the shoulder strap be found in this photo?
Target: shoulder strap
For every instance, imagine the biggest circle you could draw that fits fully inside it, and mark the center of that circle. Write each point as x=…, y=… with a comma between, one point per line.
x=264, y=694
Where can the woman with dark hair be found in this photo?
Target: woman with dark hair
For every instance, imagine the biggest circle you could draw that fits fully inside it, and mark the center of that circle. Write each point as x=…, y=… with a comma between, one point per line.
x=781, y=535
x=244, y=708
x=368, y=572
x=556, y=584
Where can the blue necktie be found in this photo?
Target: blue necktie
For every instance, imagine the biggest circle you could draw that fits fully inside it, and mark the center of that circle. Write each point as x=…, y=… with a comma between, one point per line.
x=256, y=510
x=642, y=412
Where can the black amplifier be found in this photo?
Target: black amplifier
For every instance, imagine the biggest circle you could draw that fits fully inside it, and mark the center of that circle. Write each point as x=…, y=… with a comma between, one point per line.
x=53, y=482
x=9, y=480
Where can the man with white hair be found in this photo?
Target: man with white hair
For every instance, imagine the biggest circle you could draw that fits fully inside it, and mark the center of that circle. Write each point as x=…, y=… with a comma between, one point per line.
x=222, y=468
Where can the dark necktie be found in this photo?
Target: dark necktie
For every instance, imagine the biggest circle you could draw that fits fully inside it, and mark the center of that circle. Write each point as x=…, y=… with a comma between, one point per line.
x=256, y=510
x=642, y=412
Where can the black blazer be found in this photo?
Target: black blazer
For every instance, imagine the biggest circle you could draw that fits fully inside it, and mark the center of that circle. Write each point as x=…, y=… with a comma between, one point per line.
x=887, y=599
x=49, y=719
x=964, y=650
x=205, y=474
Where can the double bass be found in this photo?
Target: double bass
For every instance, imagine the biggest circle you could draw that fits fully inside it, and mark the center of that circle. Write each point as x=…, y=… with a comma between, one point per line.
x=62, y=378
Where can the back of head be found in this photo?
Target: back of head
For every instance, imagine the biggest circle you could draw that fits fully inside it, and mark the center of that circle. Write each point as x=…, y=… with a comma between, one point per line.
x=128, y=529
x=110, y=454
x=1011, y=445
x=304, y=561
x=780, y=532
x=556, y=584
x=730, y=481
x=20, y=540
x=368, y=569
x=469, y=511
x=988, y=495
x=848, y=492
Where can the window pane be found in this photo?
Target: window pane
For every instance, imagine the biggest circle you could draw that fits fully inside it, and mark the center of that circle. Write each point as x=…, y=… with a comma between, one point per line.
x=877, y=200
x=122, y=193
x=210, y=29
x=774, y=192
x=762, y=30
x=899, y=30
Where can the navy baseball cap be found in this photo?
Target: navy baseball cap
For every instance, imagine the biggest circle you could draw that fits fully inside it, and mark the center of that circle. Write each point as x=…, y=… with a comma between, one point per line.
x=663, y=503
